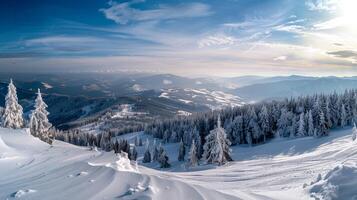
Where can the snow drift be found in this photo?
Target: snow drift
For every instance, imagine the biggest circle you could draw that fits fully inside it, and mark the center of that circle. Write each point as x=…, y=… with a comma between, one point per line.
x=339, y=183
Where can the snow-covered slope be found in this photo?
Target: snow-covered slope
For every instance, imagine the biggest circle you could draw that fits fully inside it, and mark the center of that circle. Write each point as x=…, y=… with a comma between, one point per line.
x=302, y=168
x=31, y=169
x=281, y=169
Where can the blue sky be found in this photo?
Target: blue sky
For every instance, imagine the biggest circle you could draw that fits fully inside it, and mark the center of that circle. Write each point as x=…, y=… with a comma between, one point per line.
x=218, y=38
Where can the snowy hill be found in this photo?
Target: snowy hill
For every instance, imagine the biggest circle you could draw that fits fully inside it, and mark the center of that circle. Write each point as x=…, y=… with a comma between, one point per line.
x=281, y=169
x=31, y=169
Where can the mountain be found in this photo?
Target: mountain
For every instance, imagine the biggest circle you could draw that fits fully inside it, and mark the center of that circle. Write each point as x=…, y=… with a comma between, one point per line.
x=293, y=88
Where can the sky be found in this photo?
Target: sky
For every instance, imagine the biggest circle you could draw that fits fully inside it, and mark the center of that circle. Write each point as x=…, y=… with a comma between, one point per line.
x=192, y=38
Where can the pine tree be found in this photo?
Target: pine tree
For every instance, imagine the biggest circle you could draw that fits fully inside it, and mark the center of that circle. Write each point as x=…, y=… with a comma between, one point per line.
x=301, y=128
x=354, y=132
x=147, y=154
x=182, y=152
x=293, y=127
x=343, y=116
x=39, y=124
x=310, y=125
x=163, y=159
x=216, y=148
x=323, y=129
x=12, y=117
x=133, y=154
x=264, y=122
x=193, y=161
x=155, y=156
x=237, y=130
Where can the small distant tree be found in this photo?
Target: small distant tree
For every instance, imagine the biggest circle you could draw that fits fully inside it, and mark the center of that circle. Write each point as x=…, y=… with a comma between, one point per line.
x=301, y=128
x=163, y=159
x=147, y=154
x=343, y=116
x=310, y=124
x=155, y=156
x=193, y=159
x=216, y=149
x=39, y=124
x=182, y=152
x=354, y=132
x=12, y=117
x=133, y=154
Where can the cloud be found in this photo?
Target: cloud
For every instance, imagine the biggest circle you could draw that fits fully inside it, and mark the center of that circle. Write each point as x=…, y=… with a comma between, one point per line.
x=123, y=13
x=216, y=40
x=280, y=58
x=344, y=54
x=322, y=5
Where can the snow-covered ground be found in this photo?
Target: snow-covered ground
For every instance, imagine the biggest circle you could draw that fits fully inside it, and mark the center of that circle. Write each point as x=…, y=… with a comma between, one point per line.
x=31, y=169
x=302, y=168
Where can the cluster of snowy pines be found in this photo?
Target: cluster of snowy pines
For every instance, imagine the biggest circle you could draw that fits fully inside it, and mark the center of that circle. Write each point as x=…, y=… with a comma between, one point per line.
x=256, y=123
x=13, y=115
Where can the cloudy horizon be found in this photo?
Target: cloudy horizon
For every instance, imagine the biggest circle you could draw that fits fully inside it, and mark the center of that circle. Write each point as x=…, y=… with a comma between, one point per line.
x=230, y=38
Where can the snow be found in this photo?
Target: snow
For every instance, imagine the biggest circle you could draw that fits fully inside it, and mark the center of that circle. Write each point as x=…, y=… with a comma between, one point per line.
x=138, y=88
x=46, y=85
x=339, y=183
x=64, y=171
x=183, y=113
x=302, y=168
x=164, y=95
x=185, y=101
x=126, y=110
x=166, y=82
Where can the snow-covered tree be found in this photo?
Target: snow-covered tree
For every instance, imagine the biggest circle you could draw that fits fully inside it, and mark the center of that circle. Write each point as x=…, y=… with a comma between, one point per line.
x=147, y=154
x=12, y=117
x=163, y=159
x=311, y=128
x=354, y=132
x=155, y=156
x=182, y=152
x=193, y=159
x=237, y=130
x=134, y=154
x=301, y=128
x=39, y=124
x=216, y=149
x=323, y=127
x=343, y=118
x=264, y=122
x=293, y=127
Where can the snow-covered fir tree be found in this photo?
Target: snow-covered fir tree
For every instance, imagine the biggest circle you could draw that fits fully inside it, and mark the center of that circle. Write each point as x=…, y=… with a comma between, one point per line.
x=147, y=154
x=134, y=154
x=182, y=152
x=163, y=158
x=301, y=128
x=39, y=124
x=311, y=128
x=156, y=153
x=343, y=118
x=12, y=117
x=193, y=159
x=264, y=122
x=216, y=149
x=323, y=127
x=354, y=132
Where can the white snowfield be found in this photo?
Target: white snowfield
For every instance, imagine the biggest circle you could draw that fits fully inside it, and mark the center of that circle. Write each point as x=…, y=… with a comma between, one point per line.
x=305, y=168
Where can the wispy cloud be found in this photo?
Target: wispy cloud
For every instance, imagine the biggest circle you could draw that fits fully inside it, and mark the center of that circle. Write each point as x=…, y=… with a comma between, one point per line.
x=349, y=54
x=216, y=40
x=322, y=5
x=280, y=58
x=123, y=13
